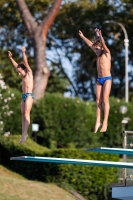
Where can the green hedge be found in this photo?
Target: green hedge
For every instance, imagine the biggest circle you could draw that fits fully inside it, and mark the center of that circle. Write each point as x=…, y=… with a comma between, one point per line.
x=66, y=122
x=113, y=137
x=89, y=181
x=71, y=121
x=10, y=114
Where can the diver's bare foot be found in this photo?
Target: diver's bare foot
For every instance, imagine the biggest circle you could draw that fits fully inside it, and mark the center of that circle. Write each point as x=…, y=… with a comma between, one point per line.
x=97, y=127
x=104, y=127
x=23, y=138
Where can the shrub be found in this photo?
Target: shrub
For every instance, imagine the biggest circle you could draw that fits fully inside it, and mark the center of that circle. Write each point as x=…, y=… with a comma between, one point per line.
x=10, y=117
x=64, y=120
x=89, y=181
x=68, y=121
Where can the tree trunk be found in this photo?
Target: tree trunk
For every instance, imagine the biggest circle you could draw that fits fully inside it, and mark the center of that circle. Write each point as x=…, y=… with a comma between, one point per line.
x=38, y=34
x=41, y=72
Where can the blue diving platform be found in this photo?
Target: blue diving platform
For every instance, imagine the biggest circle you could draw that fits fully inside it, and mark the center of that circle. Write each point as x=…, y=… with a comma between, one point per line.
x=74, y=161
x=110, y=150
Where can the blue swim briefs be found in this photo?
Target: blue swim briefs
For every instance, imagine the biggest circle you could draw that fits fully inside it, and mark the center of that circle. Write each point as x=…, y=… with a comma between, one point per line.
x=25, y=95
x=102, y=80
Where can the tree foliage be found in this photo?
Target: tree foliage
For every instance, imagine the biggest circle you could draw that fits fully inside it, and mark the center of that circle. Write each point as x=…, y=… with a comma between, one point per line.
x=65, y=47
x=37, y=25
x=86, y=16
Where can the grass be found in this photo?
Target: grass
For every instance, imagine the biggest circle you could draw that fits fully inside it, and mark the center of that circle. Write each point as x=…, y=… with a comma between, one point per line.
x=16, y=187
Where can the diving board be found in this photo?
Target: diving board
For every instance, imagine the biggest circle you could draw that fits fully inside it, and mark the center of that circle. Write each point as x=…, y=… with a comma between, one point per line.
x=74, y=161
x=110, y=150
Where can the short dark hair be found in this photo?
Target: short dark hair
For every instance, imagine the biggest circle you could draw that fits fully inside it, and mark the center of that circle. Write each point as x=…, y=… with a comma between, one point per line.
x=21, y=65
x=97, y=43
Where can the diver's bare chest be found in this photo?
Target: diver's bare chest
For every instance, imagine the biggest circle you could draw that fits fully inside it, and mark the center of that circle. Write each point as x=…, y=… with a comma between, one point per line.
x=100, y=60
x=26, y=79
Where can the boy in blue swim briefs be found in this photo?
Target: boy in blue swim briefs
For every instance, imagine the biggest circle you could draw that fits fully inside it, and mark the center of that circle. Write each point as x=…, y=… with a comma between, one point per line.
x=104, y=80
x=25, y=72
